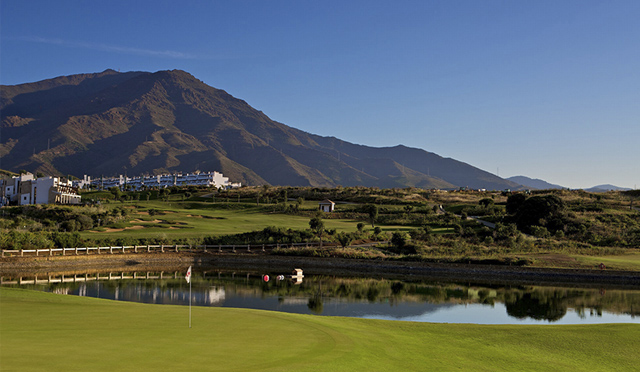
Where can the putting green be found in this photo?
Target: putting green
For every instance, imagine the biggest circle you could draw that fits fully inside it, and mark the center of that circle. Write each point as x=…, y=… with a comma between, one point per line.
x=42, y=331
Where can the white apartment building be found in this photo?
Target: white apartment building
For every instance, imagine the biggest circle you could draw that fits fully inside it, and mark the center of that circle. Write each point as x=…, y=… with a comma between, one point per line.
x=25, y=189
x=209, y=179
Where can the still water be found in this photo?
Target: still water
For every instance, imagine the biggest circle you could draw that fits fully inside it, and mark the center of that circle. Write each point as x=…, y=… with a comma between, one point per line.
x=373, y=298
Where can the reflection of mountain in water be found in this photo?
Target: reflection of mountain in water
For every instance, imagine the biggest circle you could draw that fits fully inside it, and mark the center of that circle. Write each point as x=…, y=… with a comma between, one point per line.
x=379, y=310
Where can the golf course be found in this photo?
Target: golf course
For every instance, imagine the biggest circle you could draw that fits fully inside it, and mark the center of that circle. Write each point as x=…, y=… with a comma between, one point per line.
x=48, y=332
x=402, y=228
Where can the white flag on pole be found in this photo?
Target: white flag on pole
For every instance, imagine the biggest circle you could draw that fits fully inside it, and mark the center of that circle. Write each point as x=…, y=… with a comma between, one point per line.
x=188, y=276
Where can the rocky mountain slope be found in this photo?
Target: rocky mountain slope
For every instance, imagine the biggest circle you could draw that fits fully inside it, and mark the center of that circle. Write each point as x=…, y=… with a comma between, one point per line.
x=113, y=123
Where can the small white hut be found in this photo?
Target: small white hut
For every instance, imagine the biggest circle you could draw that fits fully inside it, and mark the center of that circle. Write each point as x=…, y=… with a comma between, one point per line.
x=326, y=205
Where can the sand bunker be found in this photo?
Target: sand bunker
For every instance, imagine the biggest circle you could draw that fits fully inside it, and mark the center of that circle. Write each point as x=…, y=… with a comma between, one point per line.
x=135, y=227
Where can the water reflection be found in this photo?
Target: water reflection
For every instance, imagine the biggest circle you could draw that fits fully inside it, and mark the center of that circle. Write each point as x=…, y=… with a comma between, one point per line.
x=535, y=307
x=353, y=297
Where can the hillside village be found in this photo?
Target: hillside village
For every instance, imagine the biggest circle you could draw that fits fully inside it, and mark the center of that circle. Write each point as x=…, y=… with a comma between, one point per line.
x=28, y=189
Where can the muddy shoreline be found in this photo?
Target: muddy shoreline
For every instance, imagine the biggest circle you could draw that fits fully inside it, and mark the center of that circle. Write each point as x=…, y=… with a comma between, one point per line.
x=481, y=274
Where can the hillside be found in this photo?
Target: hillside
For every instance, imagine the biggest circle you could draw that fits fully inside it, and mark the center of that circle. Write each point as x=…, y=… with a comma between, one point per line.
x=605, y=188
x=534, y=183
x=113, y=123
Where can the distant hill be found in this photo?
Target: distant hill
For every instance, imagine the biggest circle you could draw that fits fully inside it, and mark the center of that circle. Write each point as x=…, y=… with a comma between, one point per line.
x=605, y=188
x=112, y=123
x=533, y=183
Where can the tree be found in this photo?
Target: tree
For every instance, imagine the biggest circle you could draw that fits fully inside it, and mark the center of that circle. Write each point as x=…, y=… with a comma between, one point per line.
x=514, y=202
x=360, y=227
x=537, y=210
x=486, y=202
x=117, y=194
x=317, y=226
x=84, y=222
x=372, y=211
x=164, y=194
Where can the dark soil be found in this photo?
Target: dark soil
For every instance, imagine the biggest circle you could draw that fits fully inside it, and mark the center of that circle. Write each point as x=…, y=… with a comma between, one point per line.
x=168, y=261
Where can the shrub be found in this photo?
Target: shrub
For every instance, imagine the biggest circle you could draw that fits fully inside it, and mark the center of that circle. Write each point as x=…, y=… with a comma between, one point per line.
x=399, y=239
x=540, y=232
x=69, y=226
x=15, y=239
x=345, y=239
x=67, y=240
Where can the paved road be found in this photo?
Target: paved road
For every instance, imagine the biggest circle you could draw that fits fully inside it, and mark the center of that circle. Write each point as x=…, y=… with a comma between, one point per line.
x=488, y=224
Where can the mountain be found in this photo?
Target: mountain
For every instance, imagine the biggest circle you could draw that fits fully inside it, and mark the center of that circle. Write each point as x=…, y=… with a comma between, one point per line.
x=113, y=123
x=605, y=188
x=534, y=183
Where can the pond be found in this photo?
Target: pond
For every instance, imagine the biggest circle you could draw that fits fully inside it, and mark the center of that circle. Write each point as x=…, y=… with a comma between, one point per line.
x=374, y=298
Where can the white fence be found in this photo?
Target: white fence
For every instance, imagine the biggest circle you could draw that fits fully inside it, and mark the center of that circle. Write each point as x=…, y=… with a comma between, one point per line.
x=149, y=249
x=90, y=277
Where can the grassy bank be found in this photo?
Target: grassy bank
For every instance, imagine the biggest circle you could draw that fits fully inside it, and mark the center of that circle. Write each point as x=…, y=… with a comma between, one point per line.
x=43, y=331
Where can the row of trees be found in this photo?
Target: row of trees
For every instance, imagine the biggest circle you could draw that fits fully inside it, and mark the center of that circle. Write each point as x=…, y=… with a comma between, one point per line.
x=53, y=218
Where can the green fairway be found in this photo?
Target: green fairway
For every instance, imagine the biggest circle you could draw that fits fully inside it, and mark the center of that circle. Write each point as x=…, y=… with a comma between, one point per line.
x=41, y=331
x=621, y=262
x=191, y=219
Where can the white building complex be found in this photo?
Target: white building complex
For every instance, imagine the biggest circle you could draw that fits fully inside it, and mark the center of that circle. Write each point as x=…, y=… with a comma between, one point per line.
x=26, y=189
x=209, y=179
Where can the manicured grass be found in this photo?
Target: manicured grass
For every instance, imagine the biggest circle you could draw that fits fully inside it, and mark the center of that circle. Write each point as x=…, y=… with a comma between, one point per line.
x=621, y=262
x=42, y=331
x=208, y=220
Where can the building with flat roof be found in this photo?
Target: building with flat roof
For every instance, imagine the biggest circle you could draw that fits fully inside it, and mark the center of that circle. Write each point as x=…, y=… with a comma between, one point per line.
x=209, y=179
x=25, y=189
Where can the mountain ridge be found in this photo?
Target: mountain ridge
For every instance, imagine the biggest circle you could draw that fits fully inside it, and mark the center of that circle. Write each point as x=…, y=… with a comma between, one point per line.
x=606, y=187
x=147, y=123
x=534, y=183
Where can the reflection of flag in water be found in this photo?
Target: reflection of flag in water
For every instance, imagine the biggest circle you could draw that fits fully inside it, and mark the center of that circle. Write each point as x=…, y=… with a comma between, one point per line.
x=188, y=276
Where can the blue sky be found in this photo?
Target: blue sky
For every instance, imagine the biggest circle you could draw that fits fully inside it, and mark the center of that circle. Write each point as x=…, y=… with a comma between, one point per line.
x=545, y=89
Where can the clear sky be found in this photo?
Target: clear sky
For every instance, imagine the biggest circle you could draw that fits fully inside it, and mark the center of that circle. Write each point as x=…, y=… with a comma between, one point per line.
x=545, y=89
